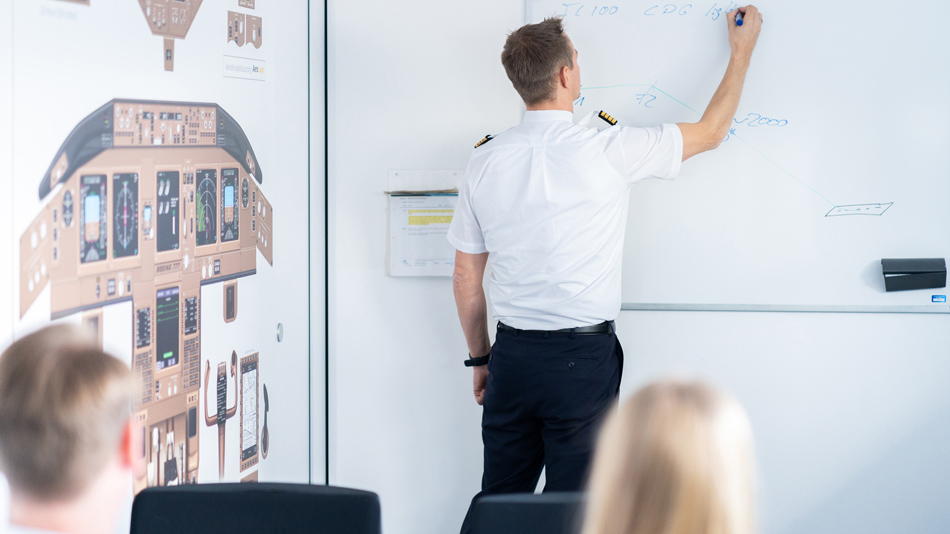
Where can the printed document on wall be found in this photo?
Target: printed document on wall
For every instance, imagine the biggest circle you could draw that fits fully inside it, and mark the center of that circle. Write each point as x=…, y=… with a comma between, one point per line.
x=418, y=225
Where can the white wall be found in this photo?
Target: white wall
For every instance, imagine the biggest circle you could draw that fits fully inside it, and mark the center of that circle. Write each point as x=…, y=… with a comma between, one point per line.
x=850, y=415
x=412, y=86
x=850, y=411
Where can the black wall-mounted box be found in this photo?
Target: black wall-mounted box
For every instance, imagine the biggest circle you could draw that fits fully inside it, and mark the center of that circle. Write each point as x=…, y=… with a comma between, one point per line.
x=914, y=273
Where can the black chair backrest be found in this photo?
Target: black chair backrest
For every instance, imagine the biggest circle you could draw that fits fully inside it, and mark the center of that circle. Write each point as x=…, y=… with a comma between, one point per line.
x=255, y=508
x=525, y=513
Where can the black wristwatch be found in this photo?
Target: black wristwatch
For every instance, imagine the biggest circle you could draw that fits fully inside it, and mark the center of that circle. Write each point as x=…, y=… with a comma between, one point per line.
x=477, y=362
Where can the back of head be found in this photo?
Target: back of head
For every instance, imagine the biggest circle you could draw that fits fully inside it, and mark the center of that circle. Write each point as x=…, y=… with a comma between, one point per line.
x=675, y=458
x=64, y=405
x=532, y=57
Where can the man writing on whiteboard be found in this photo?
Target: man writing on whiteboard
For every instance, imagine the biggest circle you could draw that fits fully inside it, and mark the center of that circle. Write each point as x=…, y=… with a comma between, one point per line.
x=547, y=202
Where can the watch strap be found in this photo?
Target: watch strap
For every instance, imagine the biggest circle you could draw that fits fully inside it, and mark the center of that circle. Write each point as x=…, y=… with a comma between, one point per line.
x=477, y=362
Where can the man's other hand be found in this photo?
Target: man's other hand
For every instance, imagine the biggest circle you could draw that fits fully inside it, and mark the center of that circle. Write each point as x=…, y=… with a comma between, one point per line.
x=479, y=380
x=742, y=39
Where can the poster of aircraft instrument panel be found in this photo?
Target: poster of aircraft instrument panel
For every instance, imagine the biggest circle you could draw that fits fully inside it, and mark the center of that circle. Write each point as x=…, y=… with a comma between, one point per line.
x=162, y=202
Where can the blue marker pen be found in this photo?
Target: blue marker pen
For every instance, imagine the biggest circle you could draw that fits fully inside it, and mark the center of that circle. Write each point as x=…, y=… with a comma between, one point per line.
x=739, y=18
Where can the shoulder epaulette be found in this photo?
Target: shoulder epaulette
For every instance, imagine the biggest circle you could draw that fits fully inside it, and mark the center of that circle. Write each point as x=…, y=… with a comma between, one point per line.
x=606, y=116
x=484, y=140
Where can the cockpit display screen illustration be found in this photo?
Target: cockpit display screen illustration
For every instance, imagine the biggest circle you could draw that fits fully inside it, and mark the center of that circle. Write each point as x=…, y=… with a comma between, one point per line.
x=230, y=216
x=92, y=231
x=207, y=206
x=125, y=201
x=167, y=206
x=166, y=319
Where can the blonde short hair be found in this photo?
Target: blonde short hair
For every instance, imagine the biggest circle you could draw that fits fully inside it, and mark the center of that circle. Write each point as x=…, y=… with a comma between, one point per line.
x=675, y=458
x=64, y=405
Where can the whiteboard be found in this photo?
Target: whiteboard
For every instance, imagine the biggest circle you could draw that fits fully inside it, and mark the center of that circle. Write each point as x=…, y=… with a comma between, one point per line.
x=837, y=157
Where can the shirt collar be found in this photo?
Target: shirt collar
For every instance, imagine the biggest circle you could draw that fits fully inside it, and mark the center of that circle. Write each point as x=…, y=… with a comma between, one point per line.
x=548, y=115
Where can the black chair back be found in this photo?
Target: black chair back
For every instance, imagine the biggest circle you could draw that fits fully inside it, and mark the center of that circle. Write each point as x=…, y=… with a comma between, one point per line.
x=525, y=513
x=255, y=508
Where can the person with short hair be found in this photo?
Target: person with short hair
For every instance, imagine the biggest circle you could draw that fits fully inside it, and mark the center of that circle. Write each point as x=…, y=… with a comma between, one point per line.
x=66, y=443
x=677, y=458
x=547, y=200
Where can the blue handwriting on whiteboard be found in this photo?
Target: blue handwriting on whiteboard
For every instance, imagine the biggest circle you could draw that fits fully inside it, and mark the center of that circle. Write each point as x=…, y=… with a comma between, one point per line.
x=586, y=10
x=644, y=99
x=668, y=9
x=717, y=11
x=755, y=120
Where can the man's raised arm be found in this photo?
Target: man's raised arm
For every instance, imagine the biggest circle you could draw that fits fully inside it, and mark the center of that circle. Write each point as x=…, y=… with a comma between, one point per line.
x=709, y=132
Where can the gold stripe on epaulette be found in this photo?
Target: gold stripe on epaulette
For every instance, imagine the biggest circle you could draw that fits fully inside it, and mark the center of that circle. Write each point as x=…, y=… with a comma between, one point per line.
x=610, y=120
x=484, y=140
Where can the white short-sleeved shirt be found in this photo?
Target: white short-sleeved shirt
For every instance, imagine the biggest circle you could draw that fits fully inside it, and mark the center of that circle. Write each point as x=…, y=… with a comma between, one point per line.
x=548, y=201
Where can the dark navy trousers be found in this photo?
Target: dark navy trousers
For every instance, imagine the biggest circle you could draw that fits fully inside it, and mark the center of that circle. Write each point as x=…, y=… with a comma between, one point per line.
x=546, y=395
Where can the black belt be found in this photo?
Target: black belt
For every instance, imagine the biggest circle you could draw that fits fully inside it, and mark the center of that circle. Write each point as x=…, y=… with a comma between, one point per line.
x=606, y=327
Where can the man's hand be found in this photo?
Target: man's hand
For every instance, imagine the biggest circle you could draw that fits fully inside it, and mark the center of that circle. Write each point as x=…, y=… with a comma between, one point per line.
x=709, y=132
x=479, y=380
x=742, y=39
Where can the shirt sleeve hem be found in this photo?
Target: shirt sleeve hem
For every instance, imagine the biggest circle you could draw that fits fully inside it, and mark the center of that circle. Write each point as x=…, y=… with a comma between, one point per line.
x=465, y=246
x=677, y=151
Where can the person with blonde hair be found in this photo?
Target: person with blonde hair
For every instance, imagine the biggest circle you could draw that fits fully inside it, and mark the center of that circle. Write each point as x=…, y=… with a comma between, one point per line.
x=66, y=444
x=675, y=458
